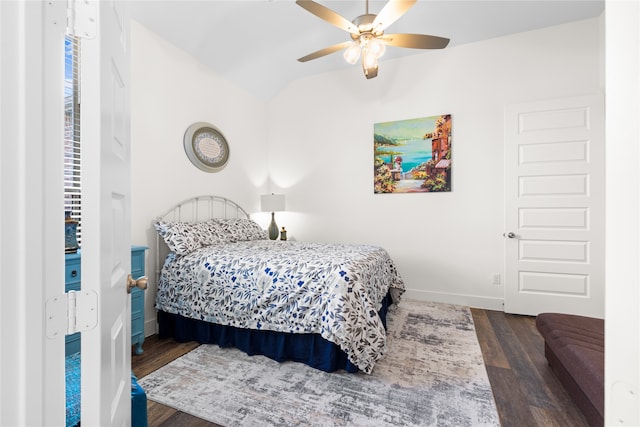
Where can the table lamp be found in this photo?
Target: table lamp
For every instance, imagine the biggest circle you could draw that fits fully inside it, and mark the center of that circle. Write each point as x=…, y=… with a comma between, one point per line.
x=272, y=203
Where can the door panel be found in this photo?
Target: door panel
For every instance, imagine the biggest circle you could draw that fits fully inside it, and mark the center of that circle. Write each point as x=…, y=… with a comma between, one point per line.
x=553, y=283
x=554, y=201
x=556, y=219
x=553, y=185
x=554, y=152
x=106, y=256
x=549, y=251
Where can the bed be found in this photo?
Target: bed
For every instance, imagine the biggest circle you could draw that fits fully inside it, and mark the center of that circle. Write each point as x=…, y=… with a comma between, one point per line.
x=224, y=282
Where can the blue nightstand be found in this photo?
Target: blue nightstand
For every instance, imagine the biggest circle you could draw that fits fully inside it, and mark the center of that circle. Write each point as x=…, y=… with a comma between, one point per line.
x=72, y=283
x=137, y=298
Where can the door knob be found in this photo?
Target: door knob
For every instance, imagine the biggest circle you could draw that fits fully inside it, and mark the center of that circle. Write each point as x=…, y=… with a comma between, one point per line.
x=510, y=235
x=141, y=283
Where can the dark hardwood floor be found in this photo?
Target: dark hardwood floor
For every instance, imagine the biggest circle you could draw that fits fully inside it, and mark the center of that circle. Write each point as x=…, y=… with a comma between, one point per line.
x=525, y=390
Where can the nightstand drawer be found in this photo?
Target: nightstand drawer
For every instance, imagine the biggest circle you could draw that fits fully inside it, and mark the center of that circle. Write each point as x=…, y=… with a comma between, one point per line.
x=72, y=273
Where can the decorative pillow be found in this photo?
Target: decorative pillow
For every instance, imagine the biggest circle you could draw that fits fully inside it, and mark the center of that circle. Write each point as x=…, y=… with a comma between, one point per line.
x=240, y=229
x=181, y=237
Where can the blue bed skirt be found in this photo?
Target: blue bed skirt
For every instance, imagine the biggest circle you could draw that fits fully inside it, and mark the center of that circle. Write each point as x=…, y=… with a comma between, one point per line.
x=310, y=349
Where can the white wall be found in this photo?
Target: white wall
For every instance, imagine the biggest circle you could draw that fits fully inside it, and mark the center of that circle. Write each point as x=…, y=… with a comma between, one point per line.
x=170, y=91
x=446, y=245
x=313, y=142
x=622, y=328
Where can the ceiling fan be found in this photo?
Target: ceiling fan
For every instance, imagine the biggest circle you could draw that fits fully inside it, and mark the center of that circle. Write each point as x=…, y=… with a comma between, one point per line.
x=367, y=34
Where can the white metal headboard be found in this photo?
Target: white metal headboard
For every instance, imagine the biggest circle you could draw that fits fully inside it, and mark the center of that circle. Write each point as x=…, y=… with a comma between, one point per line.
x=196, y=209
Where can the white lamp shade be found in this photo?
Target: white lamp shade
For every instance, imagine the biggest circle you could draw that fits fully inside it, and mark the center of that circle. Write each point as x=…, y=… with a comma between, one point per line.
x=272, y=202
x=352, y=53
x=369, y=59
x=377, y=47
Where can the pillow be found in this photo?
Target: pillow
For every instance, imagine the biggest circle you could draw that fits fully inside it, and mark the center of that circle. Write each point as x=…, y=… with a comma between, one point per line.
x=211, y=232
x=240, y=229
x=181, y=237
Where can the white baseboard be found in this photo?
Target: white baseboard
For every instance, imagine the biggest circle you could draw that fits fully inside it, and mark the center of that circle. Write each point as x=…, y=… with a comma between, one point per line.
x=150, y=326
x=486, y=303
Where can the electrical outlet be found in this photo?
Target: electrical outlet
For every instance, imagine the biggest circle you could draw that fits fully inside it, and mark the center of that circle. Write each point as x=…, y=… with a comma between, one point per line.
x=495, y=278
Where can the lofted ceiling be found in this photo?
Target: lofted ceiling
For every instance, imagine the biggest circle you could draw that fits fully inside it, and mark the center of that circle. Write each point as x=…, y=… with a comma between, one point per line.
x=256, y=43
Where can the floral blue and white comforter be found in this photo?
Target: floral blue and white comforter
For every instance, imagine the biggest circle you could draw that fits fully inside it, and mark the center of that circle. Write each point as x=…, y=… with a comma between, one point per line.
x=334, y=290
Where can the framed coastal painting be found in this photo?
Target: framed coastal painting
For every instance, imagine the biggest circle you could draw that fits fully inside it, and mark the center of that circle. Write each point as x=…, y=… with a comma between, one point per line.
x=412, y=156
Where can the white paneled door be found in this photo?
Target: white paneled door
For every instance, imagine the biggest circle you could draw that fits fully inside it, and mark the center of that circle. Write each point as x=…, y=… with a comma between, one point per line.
x=554, y=202
x=106, y=256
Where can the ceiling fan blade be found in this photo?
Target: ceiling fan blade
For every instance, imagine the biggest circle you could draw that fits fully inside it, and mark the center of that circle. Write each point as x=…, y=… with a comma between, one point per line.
x=415, y=41
x=328, y=15
x=325, y=51
x=390, y=13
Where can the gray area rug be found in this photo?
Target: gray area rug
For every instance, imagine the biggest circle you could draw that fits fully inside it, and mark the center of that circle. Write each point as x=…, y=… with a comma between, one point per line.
x=432, y=374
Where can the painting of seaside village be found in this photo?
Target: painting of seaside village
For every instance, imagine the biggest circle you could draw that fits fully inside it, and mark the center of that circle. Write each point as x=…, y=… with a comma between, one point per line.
x=412, y=156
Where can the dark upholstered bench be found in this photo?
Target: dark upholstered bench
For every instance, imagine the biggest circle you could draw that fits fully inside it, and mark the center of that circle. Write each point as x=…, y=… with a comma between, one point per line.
x=574, y=348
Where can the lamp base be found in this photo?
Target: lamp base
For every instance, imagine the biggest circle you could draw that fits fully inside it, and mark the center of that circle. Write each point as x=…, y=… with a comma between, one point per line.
x=273, y=228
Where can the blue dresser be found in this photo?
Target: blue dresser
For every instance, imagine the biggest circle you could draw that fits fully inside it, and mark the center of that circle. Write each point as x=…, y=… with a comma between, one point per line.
x=72, y=283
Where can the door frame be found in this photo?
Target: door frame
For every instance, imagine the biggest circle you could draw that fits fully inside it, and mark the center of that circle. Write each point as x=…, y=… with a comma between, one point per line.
x=31, y=210
x=32, y=364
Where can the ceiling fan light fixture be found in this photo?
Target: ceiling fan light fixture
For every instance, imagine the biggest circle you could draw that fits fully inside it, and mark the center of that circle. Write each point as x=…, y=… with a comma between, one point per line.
x=369, y=59
x=352, y=53
x=376, y=46
x=368, y=34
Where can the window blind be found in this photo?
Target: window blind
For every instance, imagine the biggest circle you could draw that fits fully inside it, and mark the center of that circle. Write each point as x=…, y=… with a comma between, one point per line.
x=72, y=146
